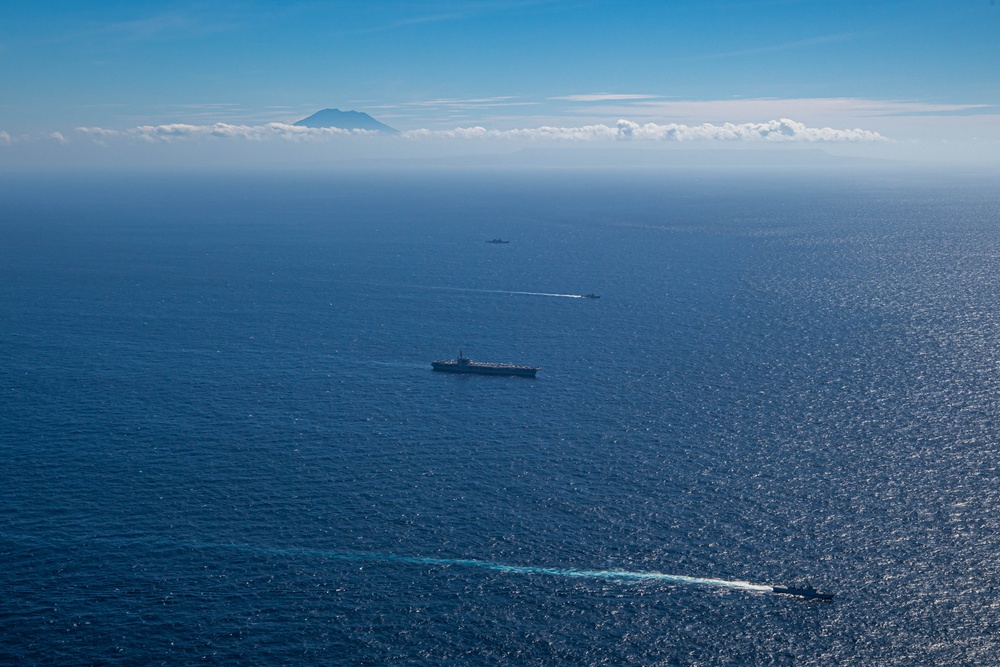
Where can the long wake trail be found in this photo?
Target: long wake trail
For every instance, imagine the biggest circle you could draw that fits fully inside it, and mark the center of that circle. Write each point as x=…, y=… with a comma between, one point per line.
x=504, y=291
x=513, y=569
x=613, y=575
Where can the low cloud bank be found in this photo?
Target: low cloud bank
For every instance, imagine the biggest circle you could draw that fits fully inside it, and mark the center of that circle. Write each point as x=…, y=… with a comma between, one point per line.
x=783, y=130
x=158, y=133
x=625, y=130
x=8, y=139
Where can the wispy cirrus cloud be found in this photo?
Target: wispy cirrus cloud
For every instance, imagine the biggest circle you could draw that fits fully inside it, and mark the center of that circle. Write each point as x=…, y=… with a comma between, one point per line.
x=465, y=10
x=809, y=110
x=459, y=103
x=150, y=27
x=781, y=130
x=204, y=105
x=163, y=26
x=605, y=97
x=784, y=46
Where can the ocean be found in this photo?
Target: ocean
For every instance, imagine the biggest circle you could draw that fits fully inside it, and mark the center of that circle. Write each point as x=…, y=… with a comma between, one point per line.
x=222, y=441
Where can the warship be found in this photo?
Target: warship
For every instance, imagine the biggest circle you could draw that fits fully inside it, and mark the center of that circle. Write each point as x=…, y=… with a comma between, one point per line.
x=807, y=592
x=462, y=364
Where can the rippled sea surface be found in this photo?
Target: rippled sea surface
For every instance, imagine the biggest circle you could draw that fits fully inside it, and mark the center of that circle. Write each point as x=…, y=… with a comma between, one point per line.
x=222, y=443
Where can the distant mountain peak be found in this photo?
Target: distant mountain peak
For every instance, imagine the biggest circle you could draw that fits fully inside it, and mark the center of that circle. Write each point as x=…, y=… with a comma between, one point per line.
x=345, y=120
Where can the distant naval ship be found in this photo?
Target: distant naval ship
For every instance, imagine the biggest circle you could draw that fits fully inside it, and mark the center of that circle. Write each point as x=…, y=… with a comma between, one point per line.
x=462, y=364
x=806, y=591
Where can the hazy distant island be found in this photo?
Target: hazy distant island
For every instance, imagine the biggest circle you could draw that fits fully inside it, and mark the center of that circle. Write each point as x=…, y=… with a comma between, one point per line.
x=345, y=120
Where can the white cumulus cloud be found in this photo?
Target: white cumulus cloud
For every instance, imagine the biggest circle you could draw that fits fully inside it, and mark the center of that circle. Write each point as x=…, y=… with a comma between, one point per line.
x=585, y=133
x=625, y=130
x=783, y=129
x=182, y=131
x=5, y=139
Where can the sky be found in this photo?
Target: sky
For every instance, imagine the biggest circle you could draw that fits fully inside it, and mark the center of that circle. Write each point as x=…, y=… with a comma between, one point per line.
x=146, y=82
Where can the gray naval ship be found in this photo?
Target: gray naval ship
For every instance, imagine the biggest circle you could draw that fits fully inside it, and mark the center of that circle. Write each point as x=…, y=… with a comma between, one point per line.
x=462, y=364
x=806, y=591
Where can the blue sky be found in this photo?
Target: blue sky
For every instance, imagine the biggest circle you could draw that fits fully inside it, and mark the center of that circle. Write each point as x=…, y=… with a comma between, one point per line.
x=923, y=76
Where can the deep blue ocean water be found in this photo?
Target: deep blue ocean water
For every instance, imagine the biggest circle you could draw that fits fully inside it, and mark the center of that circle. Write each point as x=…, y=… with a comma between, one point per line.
x=222, y=443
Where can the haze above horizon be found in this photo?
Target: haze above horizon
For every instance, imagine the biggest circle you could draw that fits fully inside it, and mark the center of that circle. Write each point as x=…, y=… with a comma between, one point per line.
x=171, y=82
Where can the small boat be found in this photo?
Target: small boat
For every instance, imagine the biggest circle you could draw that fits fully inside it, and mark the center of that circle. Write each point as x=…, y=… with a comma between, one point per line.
x=591, y=296
x=497, y=241
x=807, y=592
